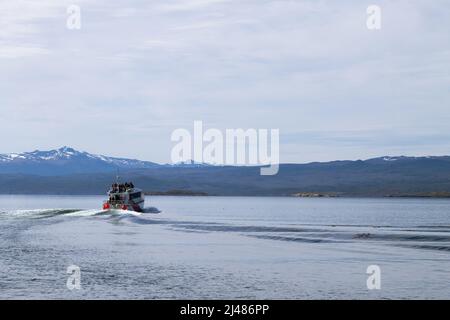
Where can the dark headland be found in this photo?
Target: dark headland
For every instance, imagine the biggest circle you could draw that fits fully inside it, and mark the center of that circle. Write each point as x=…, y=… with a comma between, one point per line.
x=66, y=171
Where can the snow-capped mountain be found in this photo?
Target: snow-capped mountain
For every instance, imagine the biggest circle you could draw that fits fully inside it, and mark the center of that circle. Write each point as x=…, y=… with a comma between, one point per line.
x=65, y=160
x=405, y=159
x=188, y=164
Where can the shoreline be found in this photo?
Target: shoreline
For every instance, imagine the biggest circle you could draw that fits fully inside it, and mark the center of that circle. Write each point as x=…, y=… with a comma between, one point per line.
x=165, y=194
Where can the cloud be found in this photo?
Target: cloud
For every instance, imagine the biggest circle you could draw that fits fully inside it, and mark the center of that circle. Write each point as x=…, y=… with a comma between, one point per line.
x=149, y=67
x=19, y=52
x=187, y=5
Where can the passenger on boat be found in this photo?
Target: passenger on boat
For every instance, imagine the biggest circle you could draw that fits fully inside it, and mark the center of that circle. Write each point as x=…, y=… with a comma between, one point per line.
x=121, y=187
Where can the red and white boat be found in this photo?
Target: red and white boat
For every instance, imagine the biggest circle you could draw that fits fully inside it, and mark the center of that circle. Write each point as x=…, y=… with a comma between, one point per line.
x=124, y=197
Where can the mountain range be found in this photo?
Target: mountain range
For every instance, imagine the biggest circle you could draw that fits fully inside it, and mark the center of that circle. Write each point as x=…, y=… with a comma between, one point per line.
x=68, y=171
x=66, y=161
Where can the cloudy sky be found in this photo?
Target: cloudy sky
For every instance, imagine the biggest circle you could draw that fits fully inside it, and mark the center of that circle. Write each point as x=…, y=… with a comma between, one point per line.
x=137, y=70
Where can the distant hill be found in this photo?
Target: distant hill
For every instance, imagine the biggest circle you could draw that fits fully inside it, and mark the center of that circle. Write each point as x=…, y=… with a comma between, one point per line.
x=67, y=171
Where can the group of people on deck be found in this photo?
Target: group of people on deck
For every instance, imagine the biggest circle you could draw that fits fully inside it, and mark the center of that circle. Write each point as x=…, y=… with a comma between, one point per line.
x=121, y=187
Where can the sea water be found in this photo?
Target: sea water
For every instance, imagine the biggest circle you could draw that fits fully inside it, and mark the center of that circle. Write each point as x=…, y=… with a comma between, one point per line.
x=225, y=248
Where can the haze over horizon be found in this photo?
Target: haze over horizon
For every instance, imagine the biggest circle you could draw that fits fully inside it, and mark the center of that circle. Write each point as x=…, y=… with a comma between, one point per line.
x=137, y=70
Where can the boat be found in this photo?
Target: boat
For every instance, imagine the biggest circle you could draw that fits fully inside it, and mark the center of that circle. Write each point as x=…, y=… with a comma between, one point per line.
x=124, y=196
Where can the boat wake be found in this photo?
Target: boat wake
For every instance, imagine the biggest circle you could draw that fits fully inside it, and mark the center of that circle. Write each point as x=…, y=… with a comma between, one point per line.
x=49, y=213
x=151, y=210
x=415, y=237
x=45, y=213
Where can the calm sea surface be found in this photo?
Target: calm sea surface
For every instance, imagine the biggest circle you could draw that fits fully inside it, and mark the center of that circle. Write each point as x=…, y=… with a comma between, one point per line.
x=225, y=247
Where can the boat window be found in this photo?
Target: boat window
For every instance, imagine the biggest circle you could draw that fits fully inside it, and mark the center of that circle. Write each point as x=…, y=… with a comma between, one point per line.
x=135, y=195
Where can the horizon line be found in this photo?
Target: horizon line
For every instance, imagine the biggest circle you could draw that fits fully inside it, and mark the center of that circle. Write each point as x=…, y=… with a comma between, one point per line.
x=191, y=161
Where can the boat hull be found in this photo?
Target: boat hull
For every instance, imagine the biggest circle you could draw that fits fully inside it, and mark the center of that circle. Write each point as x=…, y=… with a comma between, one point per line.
x=138, y=207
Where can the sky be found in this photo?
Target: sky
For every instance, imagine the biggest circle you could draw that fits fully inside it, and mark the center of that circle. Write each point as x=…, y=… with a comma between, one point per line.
x=137, y=70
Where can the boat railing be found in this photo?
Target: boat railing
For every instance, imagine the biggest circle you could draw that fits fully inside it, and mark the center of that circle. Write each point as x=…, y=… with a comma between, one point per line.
x=117, y=191
x=121, y=201
x=114, y=202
